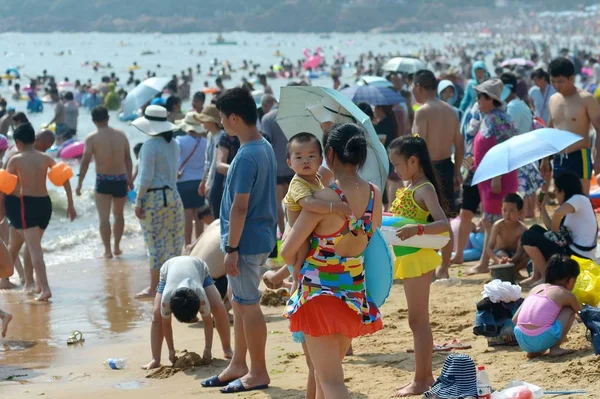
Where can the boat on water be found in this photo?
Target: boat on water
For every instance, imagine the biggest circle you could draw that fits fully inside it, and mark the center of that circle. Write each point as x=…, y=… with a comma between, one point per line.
x=220, y=41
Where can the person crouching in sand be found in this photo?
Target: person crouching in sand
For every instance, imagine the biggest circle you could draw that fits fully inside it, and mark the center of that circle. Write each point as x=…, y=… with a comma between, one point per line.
x=547, y=314
x=185, y=289
x=30, y=212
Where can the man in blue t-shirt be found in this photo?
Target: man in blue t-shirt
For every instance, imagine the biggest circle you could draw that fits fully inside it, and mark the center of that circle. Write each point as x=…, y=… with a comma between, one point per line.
x=248, y=232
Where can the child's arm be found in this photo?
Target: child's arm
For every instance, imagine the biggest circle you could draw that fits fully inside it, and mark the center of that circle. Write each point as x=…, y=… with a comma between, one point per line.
x=208, y=336
x=168, y=334
x=572, y=302
x=492, y=243
x=312, y=204
x=300, y=258
x=272, y=279
x=427, y=195
x=515, y=318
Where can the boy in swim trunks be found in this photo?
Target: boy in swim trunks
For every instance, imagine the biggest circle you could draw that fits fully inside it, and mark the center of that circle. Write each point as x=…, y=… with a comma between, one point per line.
x=30, y=212
x=505, y=237
x=110, y=149
x=185, y=289
x=305, y=155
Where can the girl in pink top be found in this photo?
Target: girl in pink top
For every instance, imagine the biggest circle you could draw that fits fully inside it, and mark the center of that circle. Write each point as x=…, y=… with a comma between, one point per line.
x=547, y=314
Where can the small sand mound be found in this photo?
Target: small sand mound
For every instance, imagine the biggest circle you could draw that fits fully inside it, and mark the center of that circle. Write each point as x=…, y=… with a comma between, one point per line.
x=275, y=298
x=187, y=360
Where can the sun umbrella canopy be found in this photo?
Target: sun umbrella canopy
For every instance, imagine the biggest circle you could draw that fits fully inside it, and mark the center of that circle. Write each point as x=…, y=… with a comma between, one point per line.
x=373, y=95
x=143, y=93
x=376, y=81
x=522, y=150
x=517, y=62
x=404, y=65
x=294, y=117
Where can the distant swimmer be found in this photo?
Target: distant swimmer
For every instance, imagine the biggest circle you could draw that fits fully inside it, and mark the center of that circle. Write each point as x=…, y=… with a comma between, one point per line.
x=30, y=210
x=573, y=110
x=110, y=149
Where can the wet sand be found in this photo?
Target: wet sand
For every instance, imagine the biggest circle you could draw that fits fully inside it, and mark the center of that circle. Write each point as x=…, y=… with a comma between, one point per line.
x=97, y=298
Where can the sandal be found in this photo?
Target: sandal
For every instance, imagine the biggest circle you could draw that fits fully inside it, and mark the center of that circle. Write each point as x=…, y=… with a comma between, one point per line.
x=436, y=348
x=457, y=344
x=75, y=338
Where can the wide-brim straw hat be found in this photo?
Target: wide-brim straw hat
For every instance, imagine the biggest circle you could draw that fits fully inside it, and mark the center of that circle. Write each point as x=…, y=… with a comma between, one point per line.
x=493, y=88
x=329, y=110
x=209, y=113
x=190, y=123
x=154, y=121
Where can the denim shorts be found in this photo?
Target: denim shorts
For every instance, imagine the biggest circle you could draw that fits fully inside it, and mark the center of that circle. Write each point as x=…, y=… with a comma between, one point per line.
x=541, y=342
x=244, y=286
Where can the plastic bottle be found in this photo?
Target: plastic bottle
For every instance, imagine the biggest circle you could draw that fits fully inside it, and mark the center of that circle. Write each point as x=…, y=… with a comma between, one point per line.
x=484, y=387
x=115, y=364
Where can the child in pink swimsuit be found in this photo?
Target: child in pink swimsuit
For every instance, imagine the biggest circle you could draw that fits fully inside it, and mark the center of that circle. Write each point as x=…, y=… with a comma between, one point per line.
x=547, y=314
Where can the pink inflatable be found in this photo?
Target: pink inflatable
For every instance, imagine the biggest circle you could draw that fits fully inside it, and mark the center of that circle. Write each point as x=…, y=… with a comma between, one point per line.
x=312, y=61
x=71, y=151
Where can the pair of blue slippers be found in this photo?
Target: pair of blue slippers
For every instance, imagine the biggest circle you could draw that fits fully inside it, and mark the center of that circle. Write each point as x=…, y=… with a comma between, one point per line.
x=232, y=386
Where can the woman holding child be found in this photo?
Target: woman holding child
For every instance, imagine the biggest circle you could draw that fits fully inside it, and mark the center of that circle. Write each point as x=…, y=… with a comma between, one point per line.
x=572, y=229
x=331, y=280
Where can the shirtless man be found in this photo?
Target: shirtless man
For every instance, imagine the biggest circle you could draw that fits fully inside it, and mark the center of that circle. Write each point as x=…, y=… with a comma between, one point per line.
x=59, y=115
x=110, y=149
x=437, y=123
x=30, y=212
x=573, y=110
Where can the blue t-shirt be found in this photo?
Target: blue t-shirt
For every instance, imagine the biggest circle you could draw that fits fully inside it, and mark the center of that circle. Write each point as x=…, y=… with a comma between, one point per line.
x=253, y=171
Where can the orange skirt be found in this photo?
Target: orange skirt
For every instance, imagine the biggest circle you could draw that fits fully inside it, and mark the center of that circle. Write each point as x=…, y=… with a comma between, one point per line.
x=327, y=315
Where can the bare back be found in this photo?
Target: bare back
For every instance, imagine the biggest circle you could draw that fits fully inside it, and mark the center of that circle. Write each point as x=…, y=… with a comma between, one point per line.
x=571, y=114
x=437, y=123
x=31, y=167
x=110, y=149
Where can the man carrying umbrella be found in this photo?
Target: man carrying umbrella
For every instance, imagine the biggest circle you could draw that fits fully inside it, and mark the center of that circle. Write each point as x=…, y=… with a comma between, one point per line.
x=437, y=123
x=573, y=110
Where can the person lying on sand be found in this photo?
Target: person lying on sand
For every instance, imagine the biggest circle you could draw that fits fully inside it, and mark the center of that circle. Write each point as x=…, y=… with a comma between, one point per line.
x=547, y=314
x=503, y=246
x=184, y=290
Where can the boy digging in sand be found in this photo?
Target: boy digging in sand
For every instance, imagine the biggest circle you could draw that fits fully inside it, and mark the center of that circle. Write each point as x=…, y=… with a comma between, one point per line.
x=28, y=207
x=186, y=289
x=503, y=246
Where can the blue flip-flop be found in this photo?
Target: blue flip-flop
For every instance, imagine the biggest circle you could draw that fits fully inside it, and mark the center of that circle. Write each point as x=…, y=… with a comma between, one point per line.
x=214, y=382
x=237, y=386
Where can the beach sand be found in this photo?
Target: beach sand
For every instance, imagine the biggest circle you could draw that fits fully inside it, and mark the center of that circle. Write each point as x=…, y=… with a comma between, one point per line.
x=96, y=297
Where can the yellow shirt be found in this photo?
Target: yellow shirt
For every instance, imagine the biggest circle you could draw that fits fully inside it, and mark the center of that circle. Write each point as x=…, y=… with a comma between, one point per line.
x=298, y=189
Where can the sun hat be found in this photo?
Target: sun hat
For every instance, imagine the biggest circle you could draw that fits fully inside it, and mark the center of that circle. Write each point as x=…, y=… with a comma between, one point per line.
x=457, y=380
x=190, y=123
x=10, y=108
x=493, y=88
x=210, y=113
x=154, y=121
x=329, y=110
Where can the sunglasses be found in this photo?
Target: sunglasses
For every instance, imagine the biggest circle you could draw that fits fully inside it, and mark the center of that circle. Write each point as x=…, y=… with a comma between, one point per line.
x=483, y=95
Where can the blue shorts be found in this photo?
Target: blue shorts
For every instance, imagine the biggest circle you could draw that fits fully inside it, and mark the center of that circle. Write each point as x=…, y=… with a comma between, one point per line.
x=578, y=162
x=541, y=342
x=244, y=286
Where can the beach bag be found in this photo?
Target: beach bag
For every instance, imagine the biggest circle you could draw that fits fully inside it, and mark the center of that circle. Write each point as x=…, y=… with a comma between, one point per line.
x=587, y=286
x=591, y=318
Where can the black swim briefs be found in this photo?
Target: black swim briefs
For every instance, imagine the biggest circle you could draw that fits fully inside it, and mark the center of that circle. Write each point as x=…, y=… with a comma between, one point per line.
x=37, y=211
x=113, y=185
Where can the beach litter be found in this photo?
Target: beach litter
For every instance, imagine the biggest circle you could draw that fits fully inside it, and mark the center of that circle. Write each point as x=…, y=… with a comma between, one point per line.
x=275, y=298
x=187, y=360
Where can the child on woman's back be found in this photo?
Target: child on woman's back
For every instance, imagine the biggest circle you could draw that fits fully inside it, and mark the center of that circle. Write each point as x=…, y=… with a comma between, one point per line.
x=547, y=314
x=305, y=155
x=503, y=245
x=418, y=200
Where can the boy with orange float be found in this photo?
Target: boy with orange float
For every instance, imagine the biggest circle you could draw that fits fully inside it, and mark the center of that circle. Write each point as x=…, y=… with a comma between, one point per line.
x=27, y=204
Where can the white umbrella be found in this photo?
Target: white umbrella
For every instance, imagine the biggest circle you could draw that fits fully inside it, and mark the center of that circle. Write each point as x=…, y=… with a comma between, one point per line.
x=404, y=64
x=143, y=93
x=376, y=81
x=522, y=150
x=294, y=117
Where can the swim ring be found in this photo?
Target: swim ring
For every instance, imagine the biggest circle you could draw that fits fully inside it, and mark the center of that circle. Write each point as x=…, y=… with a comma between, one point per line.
x=391, y=223
x=73, y=150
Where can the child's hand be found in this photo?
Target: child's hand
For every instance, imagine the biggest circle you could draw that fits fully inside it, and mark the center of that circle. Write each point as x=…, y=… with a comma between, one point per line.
x=504, y=260
x=406, y=232
x=269, y=281
x=172, y=357
x=342, y=209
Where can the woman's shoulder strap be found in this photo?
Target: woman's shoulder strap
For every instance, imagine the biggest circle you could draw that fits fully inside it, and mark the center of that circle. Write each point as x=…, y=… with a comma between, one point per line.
x=339, y=192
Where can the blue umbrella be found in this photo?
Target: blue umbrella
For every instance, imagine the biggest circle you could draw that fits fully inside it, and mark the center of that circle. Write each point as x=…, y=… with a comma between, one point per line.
x=14, y=72
x=373, y=95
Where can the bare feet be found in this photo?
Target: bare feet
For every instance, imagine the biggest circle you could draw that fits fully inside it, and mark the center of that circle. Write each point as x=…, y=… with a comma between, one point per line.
x=30, y=288
x=228, y=353
x=350, y=351
x=5, y=284
x=534, y=355
x=441, y=273
x=44, y=296
x=107, y=255
x=207, y=355
x=413, y=389
x=6, y=318
x=456, y=260
x=479, y=269
x=117, y=251
x=154, y=364
x=146, y=293
x=558, y=351
x=231, y=373
x=531, y=281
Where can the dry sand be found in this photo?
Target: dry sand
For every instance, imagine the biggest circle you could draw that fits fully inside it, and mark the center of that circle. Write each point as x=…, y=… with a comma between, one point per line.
x=35, y=353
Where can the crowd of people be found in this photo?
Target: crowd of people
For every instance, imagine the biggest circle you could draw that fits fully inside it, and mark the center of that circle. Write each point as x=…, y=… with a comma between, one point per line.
x=229, y=164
